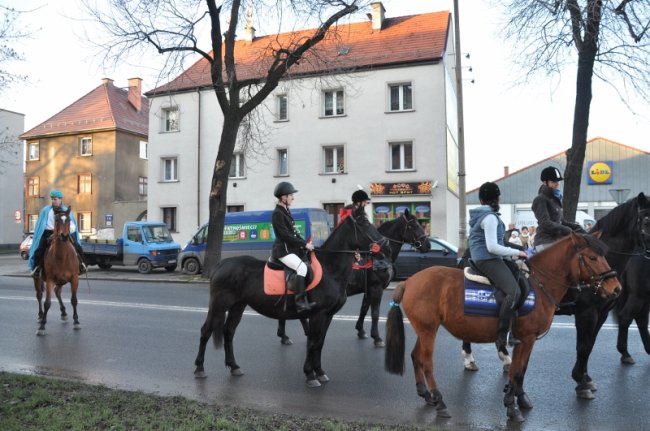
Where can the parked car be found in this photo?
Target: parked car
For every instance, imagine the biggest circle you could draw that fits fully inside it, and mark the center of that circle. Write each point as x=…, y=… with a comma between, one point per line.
x=410, y=260
x=25, y=246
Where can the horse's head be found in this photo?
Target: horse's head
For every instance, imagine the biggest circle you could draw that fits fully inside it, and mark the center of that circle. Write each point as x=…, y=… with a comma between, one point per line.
x=358, y=233
x=643, y=221
x=414, y=234
x=590, y=269
x=62, y=223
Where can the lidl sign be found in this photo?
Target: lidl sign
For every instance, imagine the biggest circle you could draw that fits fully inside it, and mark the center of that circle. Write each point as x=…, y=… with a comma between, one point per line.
x=600, y=172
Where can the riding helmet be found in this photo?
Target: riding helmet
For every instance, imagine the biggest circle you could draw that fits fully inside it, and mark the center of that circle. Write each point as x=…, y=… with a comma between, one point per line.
x=284, y=188
x=360, y=196
x=489, y=192
x=551, y=174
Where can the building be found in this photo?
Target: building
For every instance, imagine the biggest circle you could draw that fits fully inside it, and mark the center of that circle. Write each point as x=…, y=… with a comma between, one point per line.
x=12, y=124
x=612, y=174
x=378, y=110
x=95, y=152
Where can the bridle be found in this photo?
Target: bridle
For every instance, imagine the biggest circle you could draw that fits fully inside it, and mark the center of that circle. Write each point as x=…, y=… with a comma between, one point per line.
x=416, y=241
x=60, y=220
x=375, y=244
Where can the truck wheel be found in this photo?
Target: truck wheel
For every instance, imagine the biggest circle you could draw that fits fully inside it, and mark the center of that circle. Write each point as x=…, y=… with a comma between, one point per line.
x=103, y=265
x=144, y=266
x=191, y=266
x=170, y=268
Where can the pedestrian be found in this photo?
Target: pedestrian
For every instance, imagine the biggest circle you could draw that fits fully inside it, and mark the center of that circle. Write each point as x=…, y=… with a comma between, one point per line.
x=524, y=237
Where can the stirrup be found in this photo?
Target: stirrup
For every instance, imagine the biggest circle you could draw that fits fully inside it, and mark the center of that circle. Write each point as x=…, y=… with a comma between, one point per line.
x=36, y=272
x=512, y=340
x=83, y=268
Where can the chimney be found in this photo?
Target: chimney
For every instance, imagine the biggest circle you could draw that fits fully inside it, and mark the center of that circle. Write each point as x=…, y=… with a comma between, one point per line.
x=249, y=30
x=506, y=171
x=377, y=15
x=135, y=93
x=107, y=81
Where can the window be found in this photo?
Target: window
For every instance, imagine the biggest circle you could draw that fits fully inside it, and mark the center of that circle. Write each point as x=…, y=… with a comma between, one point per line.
x=237, y=166
x=169, y=217
x=31, y=222
x=33, y=188
x=170, y=169
x=234, y=208
x=283, y=162
x=143, y=183
x=84, y=183
x=400, y=97
x=334, y=160
x=401, y=156
x=143, y=150
x=281, y=106
x=86, y=146
x=333, y=103
x=170, y=119
x=85, y=221
x=33, y=151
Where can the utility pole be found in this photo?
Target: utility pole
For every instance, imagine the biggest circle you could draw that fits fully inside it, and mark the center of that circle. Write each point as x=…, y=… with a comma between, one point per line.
x=462, y=207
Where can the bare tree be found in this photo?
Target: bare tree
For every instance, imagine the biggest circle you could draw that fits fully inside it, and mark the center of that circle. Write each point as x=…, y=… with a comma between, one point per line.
x=10, y=33
x=611, y=41
x=173, y=28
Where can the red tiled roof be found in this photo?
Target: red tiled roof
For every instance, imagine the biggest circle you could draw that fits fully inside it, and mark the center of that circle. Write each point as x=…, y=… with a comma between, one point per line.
x=402, y=40
x=105, y=107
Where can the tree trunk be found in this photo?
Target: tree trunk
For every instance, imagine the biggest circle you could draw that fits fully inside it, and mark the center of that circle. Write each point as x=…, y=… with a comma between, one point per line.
x=219, y=193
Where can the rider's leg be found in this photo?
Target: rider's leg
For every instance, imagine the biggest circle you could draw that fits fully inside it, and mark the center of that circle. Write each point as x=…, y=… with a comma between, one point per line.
x=80, y=255
x=39, y=254
x=295, y=263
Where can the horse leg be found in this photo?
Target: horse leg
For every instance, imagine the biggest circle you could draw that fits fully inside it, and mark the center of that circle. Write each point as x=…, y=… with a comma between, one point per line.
x=514, y=389
x=64, y=314
x=318, y=326
x=284, y=339
x=305, y=326
x=586, y=323
x=213, y=324
x=505, y=359
x=39, y=287
x=48, y=302
x=235, y=313
x=642, y=323
x=423, y=355
x=626, y=314
x=73, y=300
x=468, y=358
x=375, y=304
x=365, y=304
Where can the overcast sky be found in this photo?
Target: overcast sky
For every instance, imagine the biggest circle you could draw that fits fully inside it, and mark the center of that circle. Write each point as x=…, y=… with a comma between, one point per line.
x=504, y=124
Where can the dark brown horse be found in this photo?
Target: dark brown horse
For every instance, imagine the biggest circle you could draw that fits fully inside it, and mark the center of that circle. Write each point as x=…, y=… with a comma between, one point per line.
x=60, y=266
x=435, y=296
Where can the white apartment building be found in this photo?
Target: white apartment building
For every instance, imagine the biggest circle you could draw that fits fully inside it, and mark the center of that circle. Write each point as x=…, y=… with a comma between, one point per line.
x=388, y=123
x=12, y=124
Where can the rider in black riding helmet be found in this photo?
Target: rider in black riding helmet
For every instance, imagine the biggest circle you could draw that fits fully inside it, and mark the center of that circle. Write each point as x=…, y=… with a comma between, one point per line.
x=289, y=244
x=488, y=253
x=359, y=199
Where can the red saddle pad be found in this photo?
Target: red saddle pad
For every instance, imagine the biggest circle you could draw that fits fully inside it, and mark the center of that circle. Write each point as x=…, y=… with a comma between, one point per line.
x=274, y=278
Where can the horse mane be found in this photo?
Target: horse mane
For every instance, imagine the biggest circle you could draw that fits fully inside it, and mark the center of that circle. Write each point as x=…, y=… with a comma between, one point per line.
x=359, y=212
x=621, y=219
x=594, y=243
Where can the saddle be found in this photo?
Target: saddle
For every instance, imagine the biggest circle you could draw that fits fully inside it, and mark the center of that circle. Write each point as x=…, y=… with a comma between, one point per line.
x=278, y=279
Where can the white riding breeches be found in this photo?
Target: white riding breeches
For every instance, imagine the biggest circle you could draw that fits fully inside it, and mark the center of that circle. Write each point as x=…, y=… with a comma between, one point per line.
x=295, y=263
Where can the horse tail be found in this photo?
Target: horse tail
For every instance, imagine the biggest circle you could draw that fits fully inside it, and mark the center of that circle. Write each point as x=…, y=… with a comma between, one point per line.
x=216, y=319
x=395, y=340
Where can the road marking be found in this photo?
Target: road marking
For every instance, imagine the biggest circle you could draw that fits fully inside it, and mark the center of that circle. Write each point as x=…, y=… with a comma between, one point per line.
x=342, y=318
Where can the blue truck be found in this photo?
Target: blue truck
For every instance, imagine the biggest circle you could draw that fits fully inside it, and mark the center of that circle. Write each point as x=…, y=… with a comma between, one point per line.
x=147, y=244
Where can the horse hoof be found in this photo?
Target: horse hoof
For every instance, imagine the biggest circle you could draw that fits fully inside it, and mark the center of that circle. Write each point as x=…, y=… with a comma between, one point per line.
x=200, y=374
x=362, y=335
x=286, y=341
x=443, y=413
x=236, y=372
x=627, y=360
x=518, y=418
x=380, y=343
x=40, y=332
x=514, y=414
x=506, y=368
x=64, y=318
x=323, y=378
x=76, y=326
x=471, y=366
x=591, y=386
x=524, y=402
x=585, y=394
x=313, y=383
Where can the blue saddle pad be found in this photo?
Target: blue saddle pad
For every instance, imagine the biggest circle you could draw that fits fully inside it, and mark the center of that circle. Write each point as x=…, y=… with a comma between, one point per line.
x=480, y=301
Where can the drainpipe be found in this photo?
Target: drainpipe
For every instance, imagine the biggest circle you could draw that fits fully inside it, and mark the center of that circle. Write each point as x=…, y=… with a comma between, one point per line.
x=462, y=208
x=198, y=161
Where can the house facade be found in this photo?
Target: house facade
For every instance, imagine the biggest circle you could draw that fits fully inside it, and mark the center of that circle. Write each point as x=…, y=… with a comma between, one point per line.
x=95, y=152
x=12, y=124
x=382, y=116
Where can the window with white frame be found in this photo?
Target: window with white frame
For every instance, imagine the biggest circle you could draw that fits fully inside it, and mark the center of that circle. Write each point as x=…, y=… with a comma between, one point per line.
x=283, y=162
x=143, y=149
x=31, y=222
x=86, y=146
x=84, y=183
x=169, y=169
x=237, y=166
x=400, y=97
x=84, y=222
x=33, y=187
x=170, y=119
x=334, y=159
x=33, y=151
x=143, y=185
x=169, y=217
x=333, y=103
x=282, y=107
x=401, y=156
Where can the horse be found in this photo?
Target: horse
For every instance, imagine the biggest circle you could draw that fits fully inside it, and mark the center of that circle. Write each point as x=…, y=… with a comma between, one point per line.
x=621, y=230
x=634, y=303
x=60, y=266
x=435, y=296
x=372, y=281
x=239, y=281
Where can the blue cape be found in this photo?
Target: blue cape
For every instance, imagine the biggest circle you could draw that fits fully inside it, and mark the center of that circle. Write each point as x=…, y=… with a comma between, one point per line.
x=40, y=228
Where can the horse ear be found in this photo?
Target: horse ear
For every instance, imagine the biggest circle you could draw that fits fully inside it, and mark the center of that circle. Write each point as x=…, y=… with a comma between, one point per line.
x=406, y=212
x=642, y=200
x=596, y=234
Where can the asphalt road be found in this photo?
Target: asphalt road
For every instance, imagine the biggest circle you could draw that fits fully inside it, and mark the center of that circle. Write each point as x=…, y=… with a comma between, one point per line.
x=144, y=335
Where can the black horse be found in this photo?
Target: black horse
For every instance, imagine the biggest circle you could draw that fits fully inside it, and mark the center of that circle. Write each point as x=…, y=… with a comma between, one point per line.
x=239, y=281
x=622, y=229
x=634, y=303
x=371, y=279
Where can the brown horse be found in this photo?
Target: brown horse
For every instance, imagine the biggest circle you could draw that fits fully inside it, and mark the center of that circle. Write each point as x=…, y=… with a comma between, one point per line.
x=60, y=266
x=435, y=296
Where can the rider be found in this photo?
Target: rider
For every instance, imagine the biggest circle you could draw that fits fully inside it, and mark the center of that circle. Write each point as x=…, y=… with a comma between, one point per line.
x=488, y=253
x=288, y=242
x=547, y=207
x=359, y=199
x=44, y=229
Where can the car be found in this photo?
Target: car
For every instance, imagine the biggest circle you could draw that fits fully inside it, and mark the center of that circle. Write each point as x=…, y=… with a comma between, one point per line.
x=410, y=260
x=25, y=246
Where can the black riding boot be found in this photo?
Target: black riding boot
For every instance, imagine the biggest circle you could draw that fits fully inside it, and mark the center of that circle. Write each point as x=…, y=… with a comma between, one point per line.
x=506, y=319
x=302, y=303
x=80, y=255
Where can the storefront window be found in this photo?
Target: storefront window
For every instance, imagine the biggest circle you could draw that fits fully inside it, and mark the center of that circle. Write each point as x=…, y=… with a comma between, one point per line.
x=389, y=211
